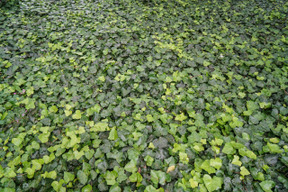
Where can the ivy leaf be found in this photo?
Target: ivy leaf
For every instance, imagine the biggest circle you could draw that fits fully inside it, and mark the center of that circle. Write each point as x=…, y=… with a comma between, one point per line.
x=100, y=127
x=29, y=103
x=78, y=154
x=67, y=112
x=77, y=114
x=206, y=166
x=10, y=173
x=53, y=109
x=149, y=118
x=121, y=176
x=180, y=117
x=30, y=172
x=89, y=154
x=135, y=177
x=110, y=177
x=102, y=78
x=274, y=148
x=170, y=169
x=244, y=171
x=236, y=161
x=217, y=163
x=68, y=177
x=250, y=154
x=267, y=185
x=30, y=91
x=17, y=141
x=113, y=134
x=115, y=188
x=52, y=175
x=87, y=188
x=82, y=177
x=183, y=157
x=93, y=109
x=149, y=160
x=193, y=183
x=56, y=186
x=150, y=188
x=228, y=149
x=212, y=184
x=158, y=177
x=44, y=137
x=131, y=166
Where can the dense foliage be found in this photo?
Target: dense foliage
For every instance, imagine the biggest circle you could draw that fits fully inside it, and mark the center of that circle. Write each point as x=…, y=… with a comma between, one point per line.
x=128, y=95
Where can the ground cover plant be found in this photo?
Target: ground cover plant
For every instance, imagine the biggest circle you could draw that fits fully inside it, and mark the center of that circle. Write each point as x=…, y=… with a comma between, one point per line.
x=126, y=95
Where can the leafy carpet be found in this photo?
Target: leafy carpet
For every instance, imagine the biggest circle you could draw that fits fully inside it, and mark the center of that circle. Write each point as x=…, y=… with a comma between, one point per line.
x=124, y=95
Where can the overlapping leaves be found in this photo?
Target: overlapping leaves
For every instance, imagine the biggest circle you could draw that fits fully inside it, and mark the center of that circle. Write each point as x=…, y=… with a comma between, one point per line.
x=144, y=95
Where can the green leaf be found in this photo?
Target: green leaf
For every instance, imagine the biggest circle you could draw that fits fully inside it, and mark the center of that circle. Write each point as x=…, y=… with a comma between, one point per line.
x=17, y=141
x=35, y=145
x=100, y=127
x=68, y=177
x=206, y=63
x=29, y=103
x=218, y=141
x=244, y=171
x=274, y=140
x=89, y=154
x=212, y=184
x=246, y=136
x=120, y=77
x=37, y=164
x=110, y=177
x=267, y=185
x=217, y=163
x=8, y=189
x=241, y=94
x=265, y=105
x=183, y=157
x=102, y=78
x=67, y=112
x=10, y=173
x=135, y=177
x=228, y=149
x=115, y=188
x=52, y=175
x=83, y=178
x=250, y=154
x=180, y=117
x=274, y=148
x=30, y=91
x=53, y=109
x=131, y=166
x=113, y=134
x=236, y=161
x=87, y=188
x=95, y=109
x=158, y=177
x=252, y=105
x=207, y=167
x=78, y=154
x=149, y=118
x=30, y=172
x=150, y=188
x=77, y=115
x=56, y=186
x=44, y=137
x=121, y=176
x=149, y=160
x=193, y=183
